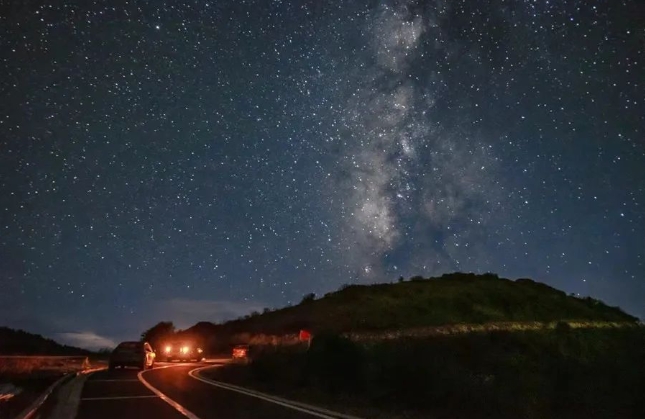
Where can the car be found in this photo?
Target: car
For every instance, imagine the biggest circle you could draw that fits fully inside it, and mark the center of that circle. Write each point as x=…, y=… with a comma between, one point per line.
x=132, y=354
x=241, y=352
x=182, y=351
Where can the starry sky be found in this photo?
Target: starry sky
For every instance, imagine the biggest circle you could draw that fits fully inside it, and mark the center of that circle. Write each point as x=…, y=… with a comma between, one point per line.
x=196, y=160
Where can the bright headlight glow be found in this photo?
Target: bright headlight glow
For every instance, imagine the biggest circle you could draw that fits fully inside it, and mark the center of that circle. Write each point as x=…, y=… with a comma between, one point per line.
x=168, y=348
x=185, y=349
x=200, y=350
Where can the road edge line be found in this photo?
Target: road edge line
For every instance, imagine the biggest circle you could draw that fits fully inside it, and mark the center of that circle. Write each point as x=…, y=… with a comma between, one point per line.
x=299, y=406
x=181, y=409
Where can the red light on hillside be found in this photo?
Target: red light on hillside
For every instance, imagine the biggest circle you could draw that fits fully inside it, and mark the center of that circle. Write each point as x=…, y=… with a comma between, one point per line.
x=305, y=335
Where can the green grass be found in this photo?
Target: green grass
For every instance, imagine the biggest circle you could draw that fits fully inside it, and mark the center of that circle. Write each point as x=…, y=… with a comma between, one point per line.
x=559, y=373
x=449, y=300
x=552, y=356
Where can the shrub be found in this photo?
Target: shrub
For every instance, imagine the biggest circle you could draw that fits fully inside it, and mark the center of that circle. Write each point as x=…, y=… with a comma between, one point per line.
x=308, y=298
x=334, y=363
x=561, y=373
x=277, y=366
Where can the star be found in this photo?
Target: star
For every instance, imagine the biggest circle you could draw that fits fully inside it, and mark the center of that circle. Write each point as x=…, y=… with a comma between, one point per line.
x=254, y=152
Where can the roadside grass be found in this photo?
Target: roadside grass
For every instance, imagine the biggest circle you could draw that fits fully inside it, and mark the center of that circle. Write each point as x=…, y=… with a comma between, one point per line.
x=17, y=366
x=24, y=378
x=556, y=373
x=455, y=329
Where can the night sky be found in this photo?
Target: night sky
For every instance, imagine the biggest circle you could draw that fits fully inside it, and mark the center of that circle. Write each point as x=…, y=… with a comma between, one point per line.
x=186, y=161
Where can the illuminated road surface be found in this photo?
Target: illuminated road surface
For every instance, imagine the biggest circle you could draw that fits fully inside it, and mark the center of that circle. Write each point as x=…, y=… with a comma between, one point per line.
x=168, y=392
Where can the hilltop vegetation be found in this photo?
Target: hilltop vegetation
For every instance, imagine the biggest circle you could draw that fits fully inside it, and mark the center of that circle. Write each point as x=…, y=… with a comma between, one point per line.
x=19, y=342
x=558, y=372
x=450, y=299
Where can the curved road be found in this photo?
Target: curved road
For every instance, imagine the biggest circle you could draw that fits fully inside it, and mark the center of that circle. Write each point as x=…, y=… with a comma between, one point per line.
x=169, y=392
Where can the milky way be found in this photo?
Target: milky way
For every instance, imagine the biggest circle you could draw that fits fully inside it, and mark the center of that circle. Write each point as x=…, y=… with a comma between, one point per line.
x=194, y=161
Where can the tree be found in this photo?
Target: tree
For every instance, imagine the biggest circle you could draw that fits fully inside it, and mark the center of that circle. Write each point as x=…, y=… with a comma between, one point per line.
x=104, y=351
x=308, y=298
x=158, y=333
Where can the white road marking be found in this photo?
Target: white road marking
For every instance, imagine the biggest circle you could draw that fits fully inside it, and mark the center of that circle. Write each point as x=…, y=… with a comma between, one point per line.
x=120, y=397
x=301, y=407
x=92, y=370
x=181, y=409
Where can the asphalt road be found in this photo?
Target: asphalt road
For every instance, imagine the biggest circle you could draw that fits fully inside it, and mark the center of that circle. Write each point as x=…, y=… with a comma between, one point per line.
x=165, y=391
x=119, y=394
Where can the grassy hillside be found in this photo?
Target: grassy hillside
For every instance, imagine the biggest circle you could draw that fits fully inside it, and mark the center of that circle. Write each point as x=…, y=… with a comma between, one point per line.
x=450, y=299
x=559, y=372
x=562, y=374
x=19, y=342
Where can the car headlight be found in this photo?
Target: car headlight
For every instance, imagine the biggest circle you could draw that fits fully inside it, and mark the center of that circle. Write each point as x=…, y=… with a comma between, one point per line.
x=168, y=348
x=185, y=350
x=200, y=350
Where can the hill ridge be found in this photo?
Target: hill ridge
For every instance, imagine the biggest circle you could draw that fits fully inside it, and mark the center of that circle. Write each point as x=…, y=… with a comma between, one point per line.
x=20, y=342
x=456, y=298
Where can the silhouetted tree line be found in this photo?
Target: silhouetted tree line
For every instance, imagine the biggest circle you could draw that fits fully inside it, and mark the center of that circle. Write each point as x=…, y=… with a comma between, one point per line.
x=19, y=342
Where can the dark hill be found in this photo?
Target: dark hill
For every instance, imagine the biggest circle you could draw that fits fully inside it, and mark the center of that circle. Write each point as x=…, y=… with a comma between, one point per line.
x=19, y=342
x=449, y=299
